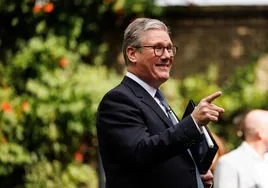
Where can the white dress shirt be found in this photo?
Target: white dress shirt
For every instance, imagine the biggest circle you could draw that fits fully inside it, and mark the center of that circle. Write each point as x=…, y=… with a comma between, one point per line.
x=241, y=168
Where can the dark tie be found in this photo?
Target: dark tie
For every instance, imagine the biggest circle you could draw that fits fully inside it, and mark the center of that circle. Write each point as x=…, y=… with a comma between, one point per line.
x=174, y=120
x=163, y=101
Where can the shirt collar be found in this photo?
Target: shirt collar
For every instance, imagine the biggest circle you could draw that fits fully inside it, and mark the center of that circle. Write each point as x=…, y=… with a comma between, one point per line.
x=143, y=84
x=250, y=150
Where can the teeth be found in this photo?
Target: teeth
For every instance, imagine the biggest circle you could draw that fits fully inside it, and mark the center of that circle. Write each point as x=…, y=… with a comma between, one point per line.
x=163, y=65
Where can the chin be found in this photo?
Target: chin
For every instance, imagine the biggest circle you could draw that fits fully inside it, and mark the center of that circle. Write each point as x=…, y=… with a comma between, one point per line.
x=164, y=79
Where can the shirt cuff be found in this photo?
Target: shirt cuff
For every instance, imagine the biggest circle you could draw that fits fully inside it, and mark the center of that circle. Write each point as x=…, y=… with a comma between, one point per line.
x=196, y=125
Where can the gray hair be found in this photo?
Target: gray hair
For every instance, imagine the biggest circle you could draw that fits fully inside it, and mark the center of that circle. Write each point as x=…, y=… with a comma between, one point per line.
x=135, y=31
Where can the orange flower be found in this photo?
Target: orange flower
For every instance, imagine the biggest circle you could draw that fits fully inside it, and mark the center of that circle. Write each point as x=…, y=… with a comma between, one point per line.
x=5, y=86
x=119, y=11
x=25, y=106
x=37, y=8
x=6, y=107
x=48, y=7
x=78, y=156
x=4, y=140
x=63, y=62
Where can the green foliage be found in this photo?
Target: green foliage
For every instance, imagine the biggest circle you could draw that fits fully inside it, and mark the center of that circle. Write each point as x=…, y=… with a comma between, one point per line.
x=52, y=76
x=49, y=109
x=52, y=174
x=12, y=155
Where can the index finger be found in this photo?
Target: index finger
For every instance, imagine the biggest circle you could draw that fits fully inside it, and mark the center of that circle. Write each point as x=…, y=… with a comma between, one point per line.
x=212, y=97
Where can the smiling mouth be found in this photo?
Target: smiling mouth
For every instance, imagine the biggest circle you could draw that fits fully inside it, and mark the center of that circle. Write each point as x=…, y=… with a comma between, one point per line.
x=162, y=65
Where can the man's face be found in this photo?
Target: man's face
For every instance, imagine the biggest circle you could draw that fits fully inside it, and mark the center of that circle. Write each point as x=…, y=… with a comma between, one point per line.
x=265, y=136
x=147, y=66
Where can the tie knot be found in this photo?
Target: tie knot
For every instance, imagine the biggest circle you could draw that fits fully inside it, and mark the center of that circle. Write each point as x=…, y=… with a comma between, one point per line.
x=164, y=103
x=162, y=99
x=160, y=95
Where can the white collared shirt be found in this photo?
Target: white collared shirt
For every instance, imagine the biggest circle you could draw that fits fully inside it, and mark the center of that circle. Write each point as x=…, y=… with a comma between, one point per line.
x=241, y=168
x=260, y=166
x=148, y=88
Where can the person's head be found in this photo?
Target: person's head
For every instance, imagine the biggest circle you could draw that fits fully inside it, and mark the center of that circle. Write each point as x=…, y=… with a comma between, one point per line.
x=239, y=121
x=148, y=50
x=256, y=129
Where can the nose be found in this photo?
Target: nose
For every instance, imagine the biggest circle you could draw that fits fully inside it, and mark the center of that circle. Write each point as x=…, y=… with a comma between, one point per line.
x=166, y=54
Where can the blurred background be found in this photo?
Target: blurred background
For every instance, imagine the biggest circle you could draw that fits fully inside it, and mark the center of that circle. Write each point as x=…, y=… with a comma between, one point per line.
x=58, y=58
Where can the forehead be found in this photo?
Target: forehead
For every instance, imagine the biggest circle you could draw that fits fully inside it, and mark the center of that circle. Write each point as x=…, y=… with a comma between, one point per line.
x=155, y=36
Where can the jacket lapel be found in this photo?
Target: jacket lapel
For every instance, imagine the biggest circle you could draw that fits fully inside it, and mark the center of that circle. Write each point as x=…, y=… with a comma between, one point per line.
x=147, y=99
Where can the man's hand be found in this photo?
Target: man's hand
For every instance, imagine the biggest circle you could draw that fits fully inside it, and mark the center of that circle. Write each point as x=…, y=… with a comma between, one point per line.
x=205, y=111
x=207, y=179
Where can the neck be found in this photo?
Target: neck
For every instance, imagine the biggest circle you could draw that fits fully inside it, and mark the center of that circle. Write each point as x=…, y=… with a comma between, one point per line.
x=151, y=82
x=258, y=147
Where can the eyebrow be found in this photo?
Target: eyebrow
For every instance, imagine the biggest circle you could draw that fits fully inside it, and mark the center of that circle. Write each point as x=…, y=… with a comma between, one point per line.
x=160, y=44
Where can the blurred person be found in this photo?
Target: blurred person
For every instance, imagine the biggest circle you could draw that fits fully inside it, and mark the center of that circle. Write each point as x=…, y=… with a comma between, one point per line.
x=141, y=141
x=266, y=156
x=246, y=167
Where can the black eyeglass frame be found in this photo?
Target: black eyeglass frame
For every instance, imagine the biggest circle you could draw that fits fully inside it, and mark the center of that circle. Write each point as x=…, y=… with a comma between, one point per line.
x=173, y=49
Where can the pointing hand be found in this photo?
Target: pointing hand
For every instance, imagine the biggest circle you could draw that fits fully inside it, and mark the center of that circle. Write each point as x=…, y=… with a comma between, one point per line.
x=206, y=111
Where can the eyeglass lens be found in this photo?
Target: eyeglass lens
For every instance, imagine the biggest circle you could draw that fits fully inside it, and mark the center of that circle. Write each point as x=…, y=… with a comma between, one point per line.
x=159, y=50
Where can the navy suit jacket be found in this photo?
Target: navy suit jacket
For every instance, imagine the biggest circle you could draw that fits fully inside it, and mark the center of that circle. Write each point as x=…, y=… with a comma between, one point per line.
x=139, y=145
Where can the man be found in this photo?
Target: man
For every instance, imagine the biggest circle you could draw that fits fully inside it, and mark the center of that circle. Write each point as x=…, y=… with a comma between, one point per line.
x=246, y=167
x=140, y=144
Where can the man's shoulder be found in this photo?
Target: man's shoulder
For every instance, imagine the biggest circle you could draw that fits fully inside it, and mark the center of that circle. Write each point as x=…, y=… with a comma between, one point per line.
x=127, y=87
x=232, y=157
x=120, y=92
x=121, y=88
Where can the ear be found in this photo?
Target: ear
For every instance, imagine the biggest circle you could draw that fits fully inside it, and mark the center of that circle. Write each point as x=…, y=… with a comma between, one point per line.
x=261, y=134
x=131, y=53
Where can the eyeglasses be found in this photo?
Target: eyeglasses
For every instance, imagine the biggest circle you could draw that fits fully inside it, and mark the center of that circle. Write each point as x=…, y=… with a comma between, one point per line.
x=159, y=50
